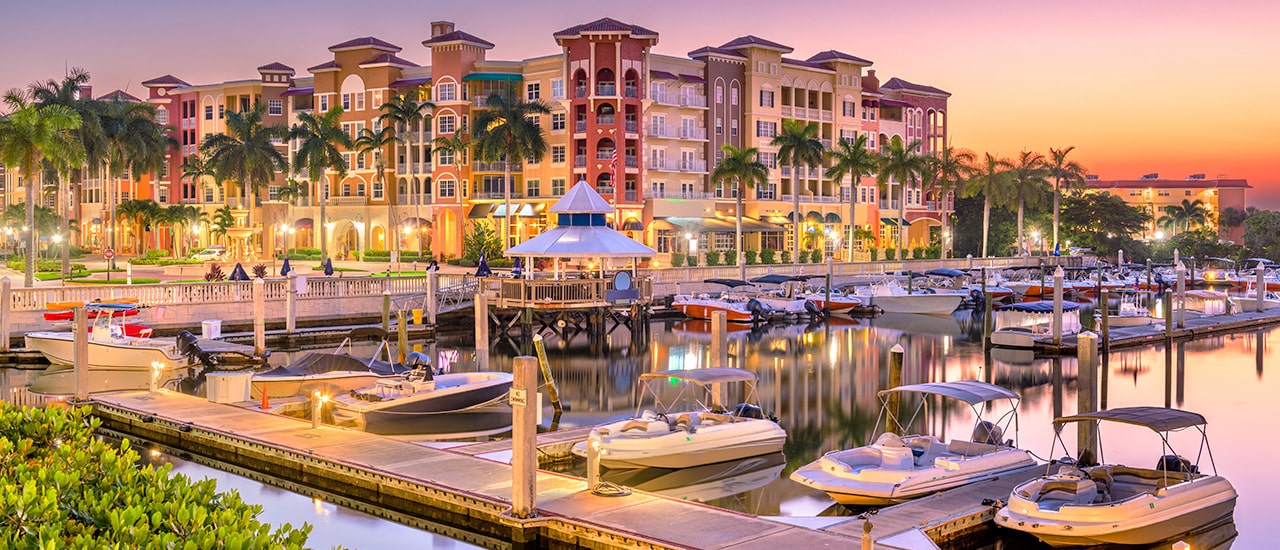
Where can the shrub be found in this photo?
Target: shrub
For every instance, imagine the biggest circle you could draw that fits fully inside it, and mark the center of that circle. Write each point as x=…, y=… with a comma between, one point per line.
x=713, y=257
x=691, y=260
x=918, y=253
x=890, y=254
x=165, y=261
x=376, y=254
x=731, y=257
x=215, y=273
x=157, y=253
x=43, y=266
x=818, y=257
x=802, y=256
x=751, y=256
x=305, y=251
x=767, y=256
x=453, y=261
x=875, y=254
x=72, y=489
x=786, y=257
x=677, y=259
x=260, y=271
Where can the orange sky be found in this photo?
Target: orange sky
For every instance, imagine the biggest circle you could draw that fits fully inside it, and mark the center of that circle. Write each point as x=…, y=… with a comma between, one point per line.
x=1175, y=87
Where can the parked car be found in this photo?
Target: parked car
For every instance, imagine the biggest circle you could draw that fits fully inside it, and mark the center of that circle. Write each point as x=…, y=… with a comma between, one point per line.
x=208, y=255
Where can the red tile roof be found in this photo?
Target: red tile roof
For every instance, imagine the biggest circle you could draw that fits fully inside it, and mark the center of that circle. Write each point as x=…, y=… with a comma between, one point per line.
x=119, y=95
x=833, y=55
x=389, y=59
x=900, y=84
x=606, y=25
x=275, y=67
x=365, y=42
x=709, y=50
x=326, y=66
x=1170, y=184
x=751, y=40
x=458, y=36
x=166, y=81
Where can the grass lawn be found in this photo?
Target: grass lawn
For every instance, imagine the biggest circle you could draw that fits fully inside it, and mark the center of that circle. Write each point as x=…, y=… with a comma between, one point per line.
x=403, y=273
x=57, y=276
x=116, y=281
x=116, y=270
x=320, y=270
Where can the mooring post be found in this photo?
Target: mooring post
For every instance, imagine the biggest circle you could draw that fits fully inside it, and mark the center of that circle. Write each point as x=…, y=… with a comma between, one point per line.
x=895, y=380
x=1148, y=275
x=6, y=302
x=259, y=316
x=970, y=258
x=719, y=339
x=80, y=352
x=402, y=336
x=1168, y=316
x=386, y=311
x=317, y=404
x=1086, y=394
x=988, y=299
x=1181, y=272
x=1103, y=300
x=524, y=432
x=826, y=308
x=482, y=331
x=291, y=303
x=1057, y=305
x=869, y=543
x=128, y=273
x=433, y=287
x=553, y=392
x=593, y=464
x=1259, y=294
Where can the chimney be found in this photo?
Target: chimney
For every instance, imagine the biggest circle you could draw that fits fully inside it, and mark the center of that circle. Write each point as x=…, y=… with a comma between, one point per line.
x=441, y=27
x=870, y=81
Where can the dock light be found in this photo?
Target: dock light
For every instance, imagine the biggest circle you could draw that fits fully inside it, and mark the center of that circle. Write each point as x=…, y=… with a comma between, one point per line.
x=57, y=238
x=156, y=366
x=1159, y=235
x=317, y=402
x=155, y=453
x=593, y=464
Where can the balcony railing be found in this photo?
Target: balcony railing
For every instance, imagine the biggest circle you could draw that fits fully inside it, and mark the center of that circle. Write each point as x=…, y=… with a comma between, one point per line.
x=632, y=162
x=631, y=195
x=606, y=90
x=478, y=102
x=826, y=143
x=606, y=120
x=693, y=133
x=889, y=204
x=579, y=92
x=631, y=91
x=786, y=171
x=496, y=194
x=668, y=165
x=631, y=126
x=605, y=189
x=579, y=125
x=766, y=195
x=604, y=154
x=826, y=115
x=685, y=195
x=693, y=101
x=579, y=160
x=348, y=201
x=786, y=110
x=666, y=98
x=499, y=166
x=662, y=132
x=693, y=165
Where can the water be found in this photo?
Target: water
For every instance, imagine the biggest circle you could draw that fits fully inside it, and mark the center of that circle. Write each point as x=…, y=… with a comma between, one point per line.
x=822, y=383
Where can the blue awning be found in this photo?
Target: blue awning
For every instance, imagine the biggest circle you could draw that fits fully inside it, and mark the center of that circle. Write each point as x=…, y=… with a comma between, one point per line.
x=500, y=77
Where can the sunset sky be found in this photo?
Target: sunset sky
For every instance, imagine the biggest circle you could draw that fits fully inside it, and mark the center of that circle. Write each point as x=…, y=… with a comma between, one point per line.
x=1172, y=86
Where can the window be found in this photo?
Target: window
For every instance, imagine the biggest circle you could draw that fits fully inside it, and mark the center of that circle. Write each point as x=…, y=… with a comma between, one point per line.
x=724, y=241
x=871, y=140
x=773, y=68
x=733, y=127
x=766, y=98
x=557, y=187
x=733, y=96
x=719, y=126
x=360, y=163
x=760, y=67
x=768, y=159
x=447, y=189
x=377, y=190
x=719, y=93
x=162, y=116
x=164, y=173
x=848, y=109
x=273, y=193
x=533, y=91
x=448, y=124
x=447, y=92
x=346, y=102
x=1162, y=193
x=324, y=103
x=766, y=129
x=359, y=101
x=557, y=121
x=873, y=112
x=557, y=154
x=208, y=194
x=1188, y=192
x=557, y=88
x=208, y=112
x=446, y=157
x=535, y=119
x=532, y=188
x=275, y=107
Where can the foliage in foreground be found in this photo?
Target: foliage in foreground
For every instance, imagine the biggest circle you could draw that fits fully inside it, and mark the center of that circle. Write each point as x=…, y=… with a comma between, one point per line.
x=66, y=488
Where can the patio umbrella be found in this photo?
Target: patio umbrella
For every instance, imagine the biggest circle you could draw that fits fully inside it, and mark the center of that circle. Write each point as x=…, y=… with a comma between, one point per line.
x=328, y=266
x=482, y=269
x=284, y=268
x=238, y=273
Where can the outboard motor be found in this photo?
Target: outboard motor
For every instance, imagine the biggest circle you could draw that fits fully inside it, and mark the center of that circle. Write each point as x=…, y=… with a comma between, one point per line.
x=189, y=345
x=987, y=432
x=979, y=301
x=420, y=365
x=1176, y=463
x=812, y=309
x=746, y=410
x=758, y=311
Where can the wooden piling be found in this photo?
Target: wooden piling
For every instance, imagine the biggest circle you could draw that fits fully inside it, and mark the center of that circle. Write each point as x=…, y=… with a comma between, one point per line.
x=719, y=339
x=6, y=302
x=524, y=443
x=402, y=336
x=259, y=316
x=482, y=331
x=291, y=303
x=1105, y=308
x=1086, y=389
x=433, y=288
x=80, y=352
x=895, y=380
x=1181, y=272
x=386, y=311
x=1259, y=294
x=540, y=348
x=1057, y=305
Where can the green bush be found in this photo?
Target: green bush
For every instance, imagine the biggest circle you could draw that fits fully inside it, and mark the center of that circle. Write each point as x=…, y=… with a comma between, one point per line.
x=691, y=260
x=890, y=254
x=372, y=254
x=43, y=266
x=157, y=253
x=786, y=257
x=165, y=261
x=713, y=257
x=875, y=254
x=803, y=256
x=305, y=251
x=751, y=256
x=767, y=256
x=818, y=257
x=453, y=261
x=731, y=257
x=677, y=259
x=918, y=253
x=68, y=488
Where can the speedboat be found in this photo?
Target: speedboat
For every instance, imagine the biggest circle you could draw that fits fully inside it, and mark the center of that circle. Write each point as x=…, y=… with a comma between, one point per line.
x=116, y=361
x=63, y=311
x=1249, y=302
x=896, y=468
x=422, y=391
x=330, y=372
x=1130, y=314
x=1018, y=325
x=784, y=299
x=836, y=299
x=738, y=308
x=892, y=298
x=1080, y=503
x=670, y=436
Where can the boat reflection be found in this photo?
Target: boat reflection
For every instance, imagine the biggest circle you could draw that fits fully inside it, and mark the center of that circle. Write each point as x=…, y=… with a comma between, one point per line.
x=1219, y=536
x=723, y=484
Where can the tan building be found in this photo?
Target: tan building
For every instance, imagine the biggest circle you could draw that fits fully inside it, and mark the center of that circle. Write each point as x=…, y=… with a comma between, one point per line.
x=1154, y=194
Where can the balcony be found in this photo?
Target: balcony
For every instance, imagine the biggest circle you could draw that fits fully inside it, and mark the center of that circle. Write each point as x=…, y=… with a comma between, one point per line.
x=499, y=166
x=826, y=116
x=605, y=189
x=786, y=171
x=348, y=201
x=766, y=195
x=631, y=92
x=478, y=102
x=693, y=133
x=662, y=132
x=693, y=165
x=786, y=110
x=693, y=101
x=632, y=162
x=889, y=204
x=579, y=161
x=684, y=195
x=607, y=90
x=580, y=126
x=606, y=120
x=664, y=165
x=604, y=154
x=495, y=194
x=631, y=127
x=631, y=195
x=666, y=98
x=813, y=114
x=402, y=169
x=826, y=143
x=579, y=92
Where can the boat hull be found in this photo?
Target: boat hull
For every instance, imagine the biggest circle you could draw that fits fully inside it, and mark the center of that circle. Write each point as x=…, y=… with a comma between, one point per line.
x=454, y=392
x=60, y=380
x=875, y=485
x=684, y=449
x=1129, y=320
x=129, y=353
x=929, y=304
x=699, y=310
x=330, y=383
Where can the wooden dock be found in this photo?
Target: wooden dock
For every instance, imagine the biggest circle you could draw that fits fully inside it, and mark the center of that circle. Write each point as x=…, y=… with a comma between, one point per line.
x=458, y=488
x=1195, y=326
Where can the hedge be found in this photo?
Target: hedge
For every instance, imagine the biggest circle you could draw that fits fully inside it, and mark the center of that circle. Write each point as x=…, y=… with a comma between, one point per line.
x=67, y=488
x=165, y=261
x=43, y=266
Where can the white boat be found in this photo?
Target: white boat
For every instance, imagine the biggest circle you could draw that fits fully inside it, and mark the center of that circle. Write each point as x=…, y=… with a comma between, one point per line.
x=786, y=298
x=837, y=299
x=116, y=362
x=892, y=298
x=738, y=308
x=1249, y=302
x=329, y=372
x=671, y=437
x=1018, y=325
x=389, y=402
x=1130, y=314
x=896, y=468
x=1078, y=503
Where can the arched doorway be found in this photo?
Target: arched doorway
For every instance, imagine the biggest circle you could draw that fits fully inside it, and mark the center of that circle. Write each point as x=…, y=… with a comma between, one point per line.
x=379, y=239
x=346, y=239
x=449, y=239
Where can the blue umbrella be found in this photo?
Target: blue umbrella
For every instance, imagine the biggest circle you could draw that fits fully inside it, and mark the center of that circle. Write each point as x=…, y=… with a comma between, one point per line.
x=482, y=270
x=517, y=268
x=238, y=273
x=328, y=266
x=1056, y=250
x=284, y=268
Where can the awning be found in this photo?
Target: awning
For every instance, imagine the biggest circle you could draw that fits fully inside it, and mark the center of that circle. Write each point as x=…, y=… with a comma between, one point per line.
x=664, y=75
x=405, y=82
x=480, y=211
x=813, y=216
x=870, y=103
x=752, y=225
x=632, y=224
x=664, y=225
x=693, y=79
x=298, y=91
x=493, y=77
x=969, y=391
x=517, y=210
x=889, y=221
x=304, y=223
x=832, y=217
x=777, y=219
x=894, y=103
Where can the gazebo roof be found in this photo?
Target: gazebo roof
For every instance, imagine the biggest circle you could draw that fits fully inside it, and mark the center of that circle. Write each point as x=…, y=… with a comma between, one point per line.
x=581, y=199
x=581, y=242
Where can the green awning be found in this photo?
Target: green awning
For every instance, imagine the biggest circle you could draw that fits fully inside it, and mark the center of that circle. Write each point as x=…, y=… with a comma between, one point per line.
x=498, y=77
x=813, y=216
x=832, y=217
x=889, y=221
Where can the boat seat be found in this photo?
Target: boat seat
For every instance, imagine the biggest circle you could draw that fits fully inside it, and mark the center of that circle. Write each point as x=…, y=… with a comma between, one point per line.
x=969, y=448
x=926, y=450
x=686, y=421
x=1102, y=479
x=708, y=419
x=1058, y=493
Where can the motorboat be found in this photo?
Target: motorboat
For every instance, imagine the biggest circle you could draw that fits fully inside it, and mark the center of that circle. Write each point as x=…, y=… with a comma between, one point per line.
x=64, y=311
x=1129, y=314
x=1018, y=325
x=674, y=436
x=892, y=298
x=1249, y=302
x=422, y=391
x=786, y=298
x=837, y=299
x=1206, y=302
x=703, y=483
x=116, y=361
x=738, y=308
x=1081, y=503
x=897, y=467
x=332, y=372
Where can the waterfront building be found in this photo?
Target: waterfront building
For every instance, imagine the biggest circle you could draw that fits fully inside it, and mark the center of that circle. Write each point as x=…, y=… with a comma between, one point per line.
x=1153, y=194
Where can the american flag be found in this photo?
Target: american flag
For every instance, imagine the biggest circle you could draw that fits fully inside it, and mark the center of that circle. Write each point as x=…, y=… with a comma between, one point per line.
x=613, y=167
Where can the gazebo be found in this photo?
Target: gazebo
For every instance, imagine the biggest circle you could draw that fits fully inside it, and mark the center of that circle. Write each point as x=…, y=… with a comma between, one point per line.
x=581, y=232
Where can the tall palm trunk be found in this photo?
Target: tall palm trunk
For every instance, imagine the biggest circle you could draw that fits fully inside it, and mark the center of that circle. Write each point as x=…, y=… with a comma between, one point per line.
x=737, y=235
x=945, y=249
x=324, y=229
x=902, y=205
x=986, y=222
x=795, y=196
x=506, y=196
x=1057, y=199
x=29, y=273
x=853, y=209
x=1022, y=242
x=66, y=229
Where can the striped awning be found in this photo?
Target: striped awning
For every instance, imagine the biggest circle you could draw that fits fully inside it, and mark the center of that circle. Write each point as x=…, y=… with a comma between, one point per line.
x=894, y=221
x=632, y=224
x=500, y=77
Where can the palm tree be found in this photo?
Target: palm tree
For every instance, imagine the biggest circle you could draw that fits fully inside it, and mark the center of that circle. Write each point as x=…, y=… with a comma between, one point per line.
x=29, y=134
x=403, y=112
x=222, y=219
x=1031, y=179
x=992, y=179
x=903, y=163
x=851, y=158
x=503, y=131
x=1063, y=171
x=320, y=136
x=290, y=192
x=180, y=217
x=798, y=147
x=1185, y=214
x=370, y=141
x=134, y=141
x=246, y=154
x=946, y=174
x=741, y=167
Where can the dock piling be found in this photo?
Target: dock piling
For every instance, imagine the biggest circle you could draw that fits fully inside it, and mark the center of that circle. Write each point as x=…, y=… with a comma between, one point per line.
x=1181, y=272
x=1087, y=363
x=553, y=392
x=593, y=464
x=386, y=311
x=316, y=401
x=482, y=331
x=291, y=303
x=1105, y=307
x=869, y=542
x=719, y=339
x=524, y=443
x=80, y=352
x=402, y=336
x=259, y=316
x=6, y=301
x=433, y=286
x=1057, y=305
x=895, y=380
x=1260, y=290
x=1168, y=316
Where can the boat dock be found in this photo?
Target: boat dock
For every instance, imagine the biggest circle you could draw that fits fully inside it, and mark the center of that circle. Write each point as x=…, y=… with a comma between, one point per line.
x=1194, y=326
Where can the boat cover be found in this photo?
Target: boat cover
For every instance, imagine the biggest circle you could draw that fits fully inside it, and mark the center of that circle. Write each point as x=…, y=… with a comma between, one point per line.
x=1040, y=306
x=945, y=272
x=775, y=279
x=969, y=391
x=712, y=375
x=1160, y=419
x=731, y=283
x=320, y=363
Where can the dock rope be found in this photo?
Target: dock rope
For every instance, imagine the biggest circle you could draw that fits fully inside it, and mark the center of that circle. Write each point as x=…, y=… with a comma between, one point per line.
x=609, y=489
